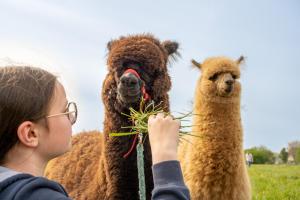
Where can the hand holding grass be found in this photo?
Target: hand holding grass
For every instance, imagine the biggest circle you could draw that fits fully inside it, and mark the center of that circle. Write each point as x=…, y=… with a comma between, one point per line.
x=164, y=137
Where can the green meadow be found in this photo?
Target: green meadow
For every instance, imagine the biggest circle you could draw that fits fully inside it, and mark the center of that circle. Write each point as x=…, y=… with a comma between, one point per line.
x=275, y=182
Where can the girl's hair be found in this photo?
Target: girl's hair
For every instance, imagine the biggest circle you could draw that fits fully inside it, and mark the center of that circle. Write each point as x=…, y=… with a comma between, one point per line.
x=25, y=95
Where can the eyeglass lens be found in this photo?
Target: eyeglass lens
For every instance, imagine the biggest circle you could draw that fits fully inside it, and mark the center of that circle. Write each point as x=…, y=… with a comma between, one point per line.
x=72, y=109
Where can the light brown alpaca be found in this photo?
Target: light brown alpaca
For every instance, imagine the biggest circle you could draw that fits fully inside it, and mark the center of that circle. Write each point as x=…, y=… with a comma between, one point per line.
x=213, y=165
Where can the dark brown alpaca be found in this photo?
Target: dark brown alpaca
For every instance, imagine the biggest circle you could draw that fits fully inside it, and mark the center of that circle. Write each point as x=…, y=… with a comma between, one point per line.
x=95, y=167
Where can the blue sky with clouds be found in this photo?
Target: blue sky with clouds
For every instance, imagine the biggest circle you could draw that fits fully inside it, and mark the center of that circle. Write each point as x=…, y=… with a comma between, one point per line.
x=69, y=38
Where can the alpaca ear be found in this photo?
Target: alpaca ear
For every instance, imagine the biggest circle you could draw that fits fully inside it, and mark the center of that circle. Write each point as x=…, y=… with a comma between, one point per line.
x=110, y=44
x=240, y=60
x=170, y=46
x=196, y=64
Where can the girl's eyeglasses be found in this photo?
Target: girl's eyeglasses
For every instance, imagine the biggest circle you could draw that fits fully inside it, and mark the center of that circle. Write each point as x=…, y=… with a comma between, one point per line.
x=71, y=112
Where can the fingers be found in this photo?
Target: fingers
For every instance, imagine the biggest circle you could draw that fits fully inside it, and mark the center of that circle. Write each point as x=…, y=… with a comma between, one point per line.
x=160, y=115
x=178, y=122
x=151, y=118
x=168, y=117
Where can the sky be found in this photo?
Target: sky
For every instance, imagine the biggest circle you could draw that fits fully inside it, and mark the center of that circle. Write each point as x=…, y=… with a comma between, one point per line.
x=69, y=38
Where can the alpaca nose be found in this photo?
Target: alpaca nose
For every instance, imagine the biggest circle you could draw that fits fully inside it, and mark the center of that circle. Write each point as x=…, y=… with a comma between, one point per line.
x=229, y=82
x=129, y=80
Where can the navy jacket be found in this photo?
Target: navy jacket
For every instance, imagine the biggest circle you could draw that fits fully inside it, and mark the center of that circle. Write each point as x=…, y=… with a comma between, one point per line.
x=168, y=185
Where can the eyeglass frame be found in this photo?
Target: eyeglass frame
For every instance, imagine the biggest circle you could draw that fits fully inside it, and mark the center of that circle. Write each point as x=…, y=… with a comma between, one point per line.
x=67, y=113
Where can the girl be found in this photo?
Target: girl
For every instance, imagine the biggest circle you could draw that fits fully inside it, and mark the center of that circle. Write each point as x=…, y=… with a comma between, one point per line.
x=36, y=126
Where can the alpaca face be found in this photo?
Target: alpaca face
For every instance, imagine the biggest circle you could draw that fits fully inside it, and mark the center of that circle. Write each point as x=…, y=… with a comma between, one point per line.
x=224, y=84
x=129, y=86
x=219, y=78
x=148, y=58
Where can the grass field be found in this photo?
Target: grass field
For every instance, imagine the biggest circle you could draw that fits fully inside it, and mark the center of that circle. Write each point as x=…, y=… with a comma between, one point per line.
x=275, y=182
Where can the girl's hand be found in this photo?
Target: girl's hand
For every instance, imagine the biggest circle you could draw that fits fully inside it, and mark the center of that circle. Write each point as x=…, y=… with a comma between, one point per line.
x=164, y=137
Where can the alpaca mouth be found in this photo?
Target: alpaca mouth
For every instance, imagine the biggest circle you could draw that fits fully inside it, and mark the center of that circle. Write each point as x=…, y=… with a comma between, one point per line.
x=129, y=99
x=229, y=89
x=226, y=92
x=130, y=92
x=129, y=95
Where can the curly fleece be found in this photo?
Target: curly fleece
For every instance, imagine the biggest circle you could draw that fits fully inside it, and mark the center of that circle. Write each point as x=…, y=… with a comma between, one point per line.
x=213, y=164
x=95, y=168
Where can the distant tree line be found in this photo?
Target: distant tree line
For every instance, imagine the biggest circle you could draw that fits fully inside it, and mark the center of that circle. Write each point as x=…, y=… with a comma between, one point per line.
x=262, y=155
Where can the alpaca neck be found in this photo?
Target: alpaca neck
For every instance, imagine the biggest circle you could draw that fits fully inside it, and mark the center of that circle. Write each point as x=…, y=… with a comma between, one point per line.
x=121, y=173
x=215, y=166
x=210, y=115
x=219, y=126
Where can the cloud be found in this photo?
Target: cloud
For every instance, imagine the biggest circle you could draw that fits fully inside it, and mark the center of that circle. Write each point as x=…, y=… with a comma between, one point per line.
x=65, y=16
x=13, y=53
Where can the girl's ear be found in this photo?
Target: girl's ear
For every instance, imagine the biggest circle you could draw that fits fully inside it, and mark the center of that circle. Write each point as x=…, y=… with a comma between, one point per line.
x=196, y=64
x=27, y=134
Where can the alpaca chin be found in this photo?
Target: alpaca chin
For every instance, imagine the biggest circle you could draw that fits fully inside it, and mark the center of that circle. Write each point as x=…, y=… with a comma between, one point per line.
x=219, y=98
x=127, y=99
x=226, y=92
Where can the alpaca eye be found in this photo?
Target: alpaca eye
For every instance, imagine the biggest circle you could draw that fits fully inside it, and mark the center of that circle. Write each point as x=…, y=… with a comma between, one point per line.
x=214, y=77
x=234, y=76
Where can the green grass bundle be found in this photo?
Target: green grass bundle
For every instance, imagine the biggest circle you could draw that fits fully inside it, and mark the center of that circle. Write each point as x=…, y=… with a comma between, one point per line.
x=140, y=117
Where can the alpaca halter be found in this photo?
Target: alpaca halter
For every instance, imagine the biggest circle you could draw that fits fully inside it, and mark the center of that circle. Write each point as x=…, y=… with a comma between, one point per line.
x=146, y=96
x=139, y=146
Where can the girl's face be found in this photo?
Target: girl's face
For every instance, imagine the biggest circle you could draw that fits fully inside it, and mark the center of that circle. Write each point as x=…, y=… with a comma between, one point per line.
x=56, y=140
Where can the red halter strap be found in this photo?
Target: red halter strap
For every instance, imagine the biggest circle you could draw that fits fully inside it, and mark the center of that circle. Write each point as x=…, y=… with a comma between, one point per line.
x=132, y=71
x=146, y=97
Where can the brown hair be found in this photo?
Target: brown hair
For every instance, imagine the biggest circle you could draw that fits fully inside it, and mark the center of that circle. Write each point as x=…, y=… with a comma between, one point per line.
x=25, y=94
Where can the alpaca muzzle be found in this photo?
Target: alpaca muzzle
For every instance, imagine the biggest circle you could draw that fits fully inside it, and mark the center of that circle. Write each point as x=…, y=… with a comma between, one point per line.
x=146, y=97
x=131, y=83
